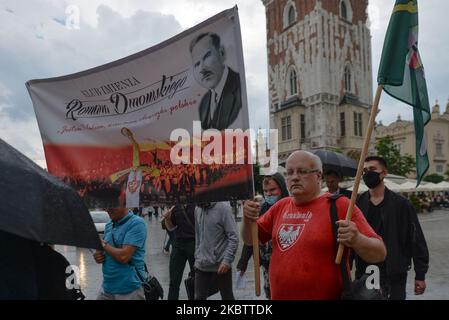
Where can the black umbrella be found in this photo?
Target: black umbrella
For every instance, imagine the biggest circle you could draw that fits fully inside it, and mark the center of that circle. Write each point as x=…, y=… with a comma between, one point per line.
x=338, y=162
x=36, y=205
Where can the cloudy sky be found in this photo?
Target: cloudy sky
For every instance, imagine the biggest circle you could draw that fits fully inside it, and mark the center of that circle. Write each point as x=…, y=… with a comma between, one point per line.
x=47, y=38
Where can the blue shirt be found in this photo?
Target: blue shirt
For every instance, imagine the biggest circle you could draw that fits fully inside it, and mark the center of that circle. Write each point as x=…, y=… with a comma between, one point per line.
x=122, y=278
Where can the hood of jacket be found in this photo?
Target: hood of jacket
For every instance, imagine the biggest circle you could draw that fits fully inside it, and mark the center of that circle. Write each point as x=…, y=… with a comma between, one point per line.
x=284, y=191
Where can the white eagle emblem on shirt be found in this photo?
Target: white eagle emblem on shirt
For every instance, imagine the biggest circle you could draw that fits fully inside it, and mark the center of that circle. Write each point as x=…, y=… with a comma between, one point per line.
x=288, y=234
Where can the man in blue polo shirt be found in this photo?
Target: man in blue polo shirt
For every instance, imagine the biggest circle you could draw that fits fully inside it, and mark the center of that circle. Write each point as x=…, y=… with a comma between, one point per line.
x=123, y=255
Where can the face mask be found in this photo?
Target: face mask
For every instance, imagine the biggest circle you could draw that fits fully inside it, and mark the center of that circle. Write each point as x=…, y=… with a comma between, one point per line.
x=271, y=199
x=371, y=179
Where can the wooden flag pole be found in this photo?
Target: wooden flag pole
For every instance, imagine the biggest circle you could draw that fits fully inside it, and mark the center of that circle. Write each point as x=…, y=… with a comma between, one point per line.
x=358, y=176
x=255, y=237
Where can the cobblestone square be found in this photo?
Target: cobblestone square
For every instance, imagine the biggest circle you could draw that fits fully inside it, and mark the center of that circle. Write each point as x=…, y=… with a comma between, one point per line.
x=435, y=227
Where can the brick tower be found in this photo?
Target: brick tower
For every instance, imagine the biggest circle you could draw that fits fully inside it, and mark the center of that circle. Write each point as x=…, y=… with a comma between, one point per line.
x=319, y=73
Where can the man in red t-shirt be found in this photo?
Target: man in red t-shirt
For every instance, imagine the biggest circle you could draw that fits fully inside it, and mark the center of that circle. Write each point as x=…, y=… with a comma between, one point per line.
x=302, y=263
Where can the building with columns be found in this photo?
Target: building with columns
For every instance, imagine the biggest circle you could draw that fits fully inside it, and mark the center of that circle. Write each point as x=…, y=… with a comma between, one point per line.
x=319, y=73
x=437, y=132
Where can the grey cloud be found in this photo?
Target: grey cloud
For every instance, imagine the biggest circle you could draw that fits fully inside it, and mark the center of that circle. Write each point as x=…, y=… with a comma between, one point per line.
x=44, y=47
x=37, y=44
x=433, y=46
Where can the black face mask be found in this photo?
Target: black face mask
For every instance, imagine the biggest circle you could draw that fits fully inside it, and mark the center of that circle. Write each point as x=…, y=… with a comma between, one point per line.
x=371, y=179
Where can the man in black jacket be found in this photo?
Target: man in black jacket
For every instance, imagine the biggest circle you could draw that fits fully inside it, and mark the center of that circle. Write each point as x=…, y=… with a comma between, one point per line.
x=394, y=218
x=274, y=189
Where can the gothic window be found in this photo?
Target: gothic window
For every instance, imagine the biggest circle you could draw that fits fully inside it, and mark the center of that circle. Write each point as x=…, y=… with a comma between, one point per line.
x=286, y=128
x=358, y=124
x=348, y=80
x=343, y=10
x=303, y=127
x=342, y=124
x=290, y=14
x=293, y=84
x=346, y=10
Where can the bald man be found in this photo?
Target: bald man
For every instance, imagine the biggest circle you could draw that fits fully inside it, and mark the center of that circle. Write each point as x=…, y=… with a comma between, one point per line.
x=302, y=263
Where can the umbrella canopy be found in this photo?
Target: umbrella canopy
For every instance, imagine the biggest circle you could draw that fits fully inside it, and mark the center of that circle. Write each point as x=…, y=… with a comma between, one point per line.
x=407, y=187
x=425, y=187
x=362, y=188
x=430, y=187
x=337, y=162
x=391, y=185
x=443, y=186
x=36, y=205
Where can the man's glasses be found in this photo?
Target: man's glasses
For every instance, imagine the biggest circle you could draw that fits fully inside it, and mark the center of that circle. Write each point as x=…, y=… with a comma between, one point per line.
x=301, y=172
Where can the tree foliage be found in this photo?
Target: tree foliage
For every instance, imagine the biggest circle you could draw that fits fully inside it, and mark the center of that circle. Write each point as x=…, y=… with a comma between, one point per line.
x=435, y=178
x=355, y=155
x=397, y=164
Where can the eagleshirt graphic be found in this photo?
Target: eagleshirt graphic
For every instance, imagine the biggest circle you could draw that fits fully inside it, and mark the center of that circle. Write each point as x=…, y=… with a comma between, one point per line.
x=288, y=234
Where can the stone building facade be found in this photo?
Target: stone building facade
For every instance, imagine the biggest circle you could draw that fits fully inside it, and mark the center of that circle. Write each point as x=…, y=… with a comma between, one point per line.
x=437, y=132
x=319, y=73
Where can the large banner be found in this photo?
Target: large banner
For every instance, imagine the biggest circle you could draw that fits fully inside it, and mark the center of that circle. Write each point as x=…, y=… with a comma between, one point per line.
x=153, y=125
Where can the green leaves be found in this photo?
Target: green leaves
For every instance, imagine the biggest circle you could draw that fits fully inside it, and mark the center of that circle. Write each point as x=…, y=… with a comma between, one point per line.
x=397, y=164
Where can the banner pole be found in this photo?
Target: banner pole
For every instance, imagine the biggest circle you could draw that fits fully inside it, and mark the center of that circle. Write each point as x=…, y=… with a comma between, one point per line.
x=255, y=238
x=358, y=176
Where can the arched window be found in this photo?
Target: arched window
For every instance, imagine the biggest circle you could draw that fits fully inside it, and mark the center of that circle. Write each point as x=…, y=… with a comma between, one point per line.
x=343, y=10
x=348, y=83
x=346, y=10
x=291, y=15
x=293, y=82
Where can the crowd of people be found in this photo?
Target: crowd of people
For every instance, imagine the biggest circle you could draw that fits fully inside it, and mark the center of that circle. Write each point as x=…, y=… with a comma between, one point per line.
x=297, y=236
x=298, y=245
x=427, y=202
x=168, y=184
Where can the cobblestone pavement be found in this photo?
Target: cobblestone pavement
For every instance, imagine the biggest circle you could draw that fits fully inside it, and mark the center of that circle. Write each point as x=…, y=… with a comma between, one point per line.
x=435, y=226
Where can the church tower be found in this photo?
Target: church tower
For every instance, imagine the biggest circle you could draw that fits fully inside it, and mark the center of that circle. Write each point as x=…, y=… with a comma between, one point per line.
x=319, y=73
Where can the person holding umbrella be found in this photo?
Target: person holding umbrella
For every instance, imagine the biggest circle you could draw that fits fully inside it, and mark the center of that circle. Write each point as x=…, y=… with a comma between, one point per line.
x=333, y=179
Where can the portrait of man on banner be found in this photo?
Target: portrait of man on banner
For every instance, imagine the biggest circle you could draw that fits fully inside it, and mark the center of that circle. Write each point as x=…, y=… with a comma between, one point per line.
x=221, y=104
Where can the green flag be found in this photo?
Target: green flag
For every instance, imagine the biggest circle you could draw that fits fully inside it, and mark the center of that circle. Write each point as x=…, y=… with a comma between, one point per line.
x=402, y=73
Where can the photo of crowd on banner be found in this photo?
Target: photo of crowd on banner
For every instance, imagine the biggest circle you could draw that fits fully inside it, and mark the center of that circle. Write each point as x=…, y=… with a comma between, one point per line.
x=152, y=179
x=173, y=184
